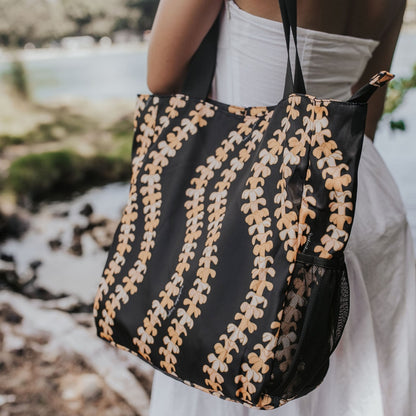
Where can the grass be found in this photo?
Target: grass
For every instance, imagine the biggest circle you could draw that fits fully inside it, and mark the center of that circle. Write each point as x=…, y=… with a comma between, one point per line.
x=53, y=151
x=397, y=90
x=59, y=174
x=63, y=125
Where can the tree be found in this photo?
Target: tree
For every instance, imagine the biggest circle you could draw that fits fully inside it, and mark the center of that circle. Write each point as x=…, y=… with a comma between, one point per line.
x=42, y=21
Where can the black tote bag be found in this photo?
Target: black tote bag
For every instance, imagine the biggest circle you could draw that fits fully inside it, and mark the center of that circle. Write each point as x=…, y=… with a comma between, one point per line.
x=226, y=271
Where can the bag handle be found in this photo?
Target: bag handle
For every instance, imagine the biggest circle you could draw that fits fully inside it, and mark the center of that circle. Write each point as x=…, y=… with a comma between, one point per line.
x=201, y=68
x=288, y=9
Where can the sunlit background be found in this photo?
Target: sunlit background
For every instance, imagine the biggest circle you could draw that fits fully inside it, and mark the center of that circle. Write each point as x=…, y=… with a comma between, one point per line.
x=69, y=74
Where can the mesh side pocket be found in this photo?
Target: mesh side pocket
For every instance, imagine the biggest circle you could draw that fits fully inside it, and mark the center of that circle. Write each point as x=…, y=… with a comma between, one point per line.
x=313, y=319
x=342, y=305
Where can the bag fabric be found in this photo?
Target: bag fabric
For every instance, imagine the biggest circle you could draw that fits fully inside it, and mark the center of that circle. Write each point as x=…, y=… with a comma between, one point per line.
x=226, y=270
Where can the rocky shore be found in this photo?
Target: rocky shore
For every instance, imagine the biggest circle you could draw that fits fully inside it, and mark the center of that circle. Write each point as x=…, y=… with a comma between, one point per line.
x=51, y=361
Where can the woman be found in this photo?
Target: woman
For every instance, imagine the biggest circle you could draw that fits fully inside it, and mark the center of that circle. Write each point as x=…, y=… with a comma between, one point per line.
x=341, y=44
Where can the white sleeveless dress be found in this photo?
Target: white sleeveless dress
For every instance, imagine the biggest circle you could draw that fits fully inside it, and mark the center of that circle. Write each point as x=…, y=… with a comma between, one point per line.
x=372, y=372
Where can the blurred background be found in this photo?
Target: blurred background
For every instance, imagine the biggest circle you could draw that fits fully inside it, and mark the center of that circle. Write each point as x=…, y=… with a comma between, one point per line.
x=69, y=74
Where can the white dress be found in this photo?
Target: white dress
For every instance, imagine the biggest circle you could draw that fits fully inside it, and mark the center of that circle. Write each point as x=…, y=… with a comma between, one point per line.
x=373, y=371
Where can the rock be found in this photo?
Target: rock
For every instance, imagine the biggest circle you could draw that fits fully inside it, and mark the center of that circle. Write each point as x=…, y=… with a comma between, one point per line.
x=87, y=210
x=7, y=266
x=7, y=399
x=78, y=231
x=102, y=231
x=76, y=248
x=70, y=304
x=10, y=315
x=76, y=245
x=50, y=356
x=61, y=214
x=13, y=342
x=116, y=411
x=34, y=265
x=103, y=237
x=95, y=221
x=7, y=258
x=24, y=283
x=68, y=337
x=55, y=244
x=9, y=278
x=81, y=387
x=12, y=226
x=92, y=386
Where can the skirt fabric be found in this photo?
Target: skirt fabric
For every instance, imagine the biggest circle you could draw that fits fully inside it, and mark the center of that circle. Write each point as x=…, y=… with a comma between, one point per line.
x=372, y=371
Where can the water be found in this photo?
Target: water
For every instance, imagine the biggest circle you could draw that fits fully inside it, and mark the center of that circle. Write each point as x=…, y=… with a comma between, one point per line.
x=98, y=74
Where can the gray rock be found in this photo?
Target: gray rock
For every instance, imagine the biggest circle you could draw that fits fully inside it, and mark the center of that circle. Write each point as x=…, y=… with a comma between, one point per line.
x=81, y=387
x=67, y=336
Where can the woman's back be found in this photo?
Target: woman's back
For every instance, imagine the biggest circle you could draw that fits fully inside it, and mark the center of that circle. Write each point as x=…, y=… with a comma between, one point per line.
x=359, y=18
x=251, y=60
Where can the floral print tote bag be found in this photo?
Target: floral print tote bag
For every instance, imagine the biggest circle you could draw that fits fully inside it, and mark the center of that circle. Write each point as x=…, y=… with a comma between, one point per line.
x=226, y=271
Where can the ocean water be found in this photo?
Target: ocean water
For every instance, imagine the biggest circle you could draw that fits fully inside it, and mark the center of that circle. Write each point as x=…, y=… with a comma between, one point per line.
x=94, y=75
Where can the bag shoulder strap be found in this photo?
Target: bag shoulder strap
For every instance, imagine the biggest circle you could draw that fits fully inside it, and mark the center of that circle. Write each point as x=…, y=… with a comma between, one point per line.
x=288, y=9
x=201, y=68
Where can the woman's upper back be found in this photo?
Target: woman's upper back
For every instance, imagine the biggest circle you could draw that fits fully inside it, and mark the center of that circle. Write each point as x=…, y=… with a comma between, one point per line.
x=252, y=56
x=359, y=18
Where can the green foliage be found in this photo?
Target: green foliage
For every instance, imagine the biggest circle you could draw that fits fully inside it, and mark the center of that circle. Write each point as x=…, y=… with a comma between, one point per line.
x=59, y=174
x=122, y=128
x=9, y=140
x=64, y=124
x=397, y=125
x=38, y=174
x=397, y=90
x=18, y=78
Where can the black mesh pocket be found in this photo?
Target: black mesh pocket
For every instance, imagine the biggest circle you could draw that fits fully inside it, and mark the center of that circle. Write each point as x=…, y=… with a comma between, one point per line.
x=314, y=316
x=342, y=306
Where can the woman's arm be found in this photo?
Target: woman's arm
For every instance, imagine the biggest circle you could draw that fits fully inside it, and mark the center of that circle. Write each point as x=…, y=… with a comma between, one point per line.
x=381, y=60
x=178, y=30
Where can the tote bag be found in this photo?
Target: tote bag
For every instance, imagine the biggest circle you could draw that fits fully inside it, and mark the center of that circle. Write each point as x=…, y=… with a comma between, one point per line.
x=226, y=271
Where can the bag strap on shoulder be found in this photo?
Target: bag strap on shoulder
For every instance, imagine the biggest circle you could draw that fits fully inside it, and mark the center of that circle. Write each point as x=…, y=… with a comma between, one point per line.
x=288, y=9
x=201, y=68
